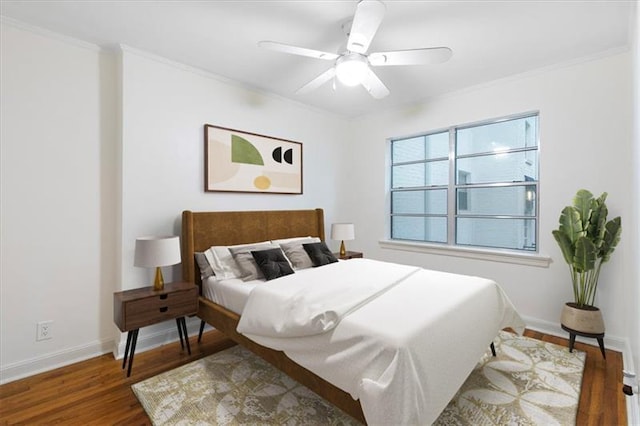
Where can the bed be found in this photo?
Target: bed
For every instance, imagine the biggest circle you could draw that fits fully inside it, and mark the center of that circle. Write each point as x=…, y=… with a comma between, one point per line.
x=393, y=358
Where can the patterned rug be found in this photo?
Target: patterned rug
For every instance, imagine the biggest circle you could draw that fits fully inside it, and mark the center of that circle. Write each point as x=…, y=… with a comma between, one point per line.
x=529, y=383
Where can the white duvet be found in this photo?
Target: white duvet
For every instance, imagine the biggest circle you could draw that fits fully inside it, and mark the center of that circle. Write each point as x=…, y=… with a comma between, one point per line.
x=400, y=339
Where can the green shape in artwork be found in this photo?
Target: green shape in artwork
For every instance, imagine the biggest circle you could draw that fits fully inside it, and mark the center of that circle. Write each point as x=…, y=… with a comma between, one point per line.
x=243, y=151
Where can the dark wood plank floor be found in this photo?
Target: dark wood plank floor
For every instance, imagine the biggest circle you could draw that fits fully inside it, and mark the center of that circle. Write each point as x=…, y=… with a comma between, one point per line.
x=98, y=392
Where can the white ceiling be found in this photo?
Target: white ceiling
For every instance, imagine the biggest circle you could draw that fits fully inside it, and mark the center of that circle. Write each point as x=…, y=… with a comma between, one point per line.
x=489, y=39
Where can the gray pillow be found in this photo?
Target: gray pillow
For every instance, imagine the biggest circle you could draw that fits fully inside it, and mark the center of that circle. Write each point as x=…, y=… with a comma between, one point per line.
x=205, y=268
x=297, y=254
x=246, y=262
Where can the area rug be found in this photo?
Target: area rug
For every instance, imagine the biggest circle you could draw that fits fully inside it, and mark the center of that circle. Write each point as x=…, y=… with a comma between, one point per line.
x=529, y=383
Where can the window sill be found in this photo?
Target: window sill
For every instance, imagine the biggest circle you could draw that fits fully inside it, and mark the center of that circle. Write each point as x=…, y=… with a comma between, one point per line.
x=469, y=253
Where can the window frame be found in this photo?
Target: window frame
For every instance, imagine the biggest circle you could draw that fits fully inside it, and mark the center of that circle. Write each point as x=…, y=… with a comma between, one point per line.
x=452, y=187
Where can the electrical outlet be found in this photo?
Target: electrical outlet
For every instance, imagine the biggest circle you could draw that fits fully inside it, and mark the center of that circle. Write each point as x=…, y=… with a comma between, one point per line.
x=44, y=330
x=629, y=382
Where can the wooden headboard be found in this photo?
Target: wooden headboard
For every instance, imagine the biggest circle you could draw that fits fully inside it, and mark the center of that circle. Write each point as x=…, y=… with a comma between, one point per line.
x=201, y=230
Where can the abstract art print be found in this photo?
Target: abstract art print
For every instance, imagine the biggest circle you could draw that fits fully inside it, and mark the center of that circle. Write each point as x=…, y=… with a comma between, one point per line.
x=237, y=161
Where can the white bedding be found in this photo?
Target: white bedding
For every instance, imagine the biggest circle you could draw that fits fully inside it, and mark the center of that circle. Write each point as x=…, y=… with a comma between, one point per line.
x=403, y=354
x=231, y=293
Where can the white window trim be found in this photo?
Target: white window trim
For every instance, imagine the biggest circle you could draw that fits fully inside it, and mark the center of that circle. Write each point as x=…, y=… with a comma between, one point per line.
x=494, y=255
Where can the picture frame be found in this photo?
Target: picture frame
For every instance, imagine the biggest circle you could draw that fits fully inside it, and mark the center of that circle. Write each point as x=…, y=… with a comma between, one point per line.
x=239, y=161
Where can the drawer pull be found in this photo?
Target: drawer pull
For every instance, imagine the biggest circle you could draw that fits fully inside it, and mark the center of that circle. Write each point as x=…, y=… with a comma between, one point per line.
x=164, y=309
x=163, y=296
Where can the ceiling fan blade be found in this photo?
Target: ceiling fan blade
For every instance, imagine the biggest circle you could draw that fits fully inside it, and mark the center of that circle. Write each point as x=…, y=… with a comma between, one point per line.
x=295, y=50
x=369, y=14
x=374, y=85
x=317, y=82
x=429, y=55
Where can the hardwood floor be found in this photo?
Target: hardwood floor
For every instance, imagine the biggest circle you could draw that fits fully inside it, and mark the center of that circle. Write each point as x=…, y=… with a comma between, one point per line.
x=98, y=392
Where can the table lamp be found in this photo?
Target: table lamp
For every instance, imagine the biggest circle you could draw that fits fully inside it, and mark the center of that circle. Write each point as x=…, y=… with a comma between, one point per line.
x=342, y=232
x=154, y=252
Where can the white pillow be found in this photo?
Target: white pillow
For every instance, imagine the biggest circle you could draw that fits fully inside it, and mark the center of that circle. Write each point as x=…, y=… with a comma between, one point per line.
x=289, y=240
x=222, y=262
x=295, y=252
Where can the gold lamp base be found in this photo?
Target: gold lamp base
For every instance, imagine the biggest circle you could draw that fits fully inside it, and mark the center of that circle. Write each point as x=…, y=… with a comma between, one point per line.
x=158, y=283
x=343, y=250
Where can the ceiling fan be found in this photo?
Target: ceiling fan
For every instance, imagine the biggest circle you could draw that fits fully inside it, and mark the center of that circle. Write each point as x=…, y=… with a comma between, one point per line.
x=352, y=65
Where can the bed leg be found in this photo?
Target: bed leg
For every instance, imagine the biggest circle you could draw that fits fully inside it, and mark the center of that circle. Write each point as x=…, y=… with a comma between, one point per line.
x=493, y=349
x=202, y=323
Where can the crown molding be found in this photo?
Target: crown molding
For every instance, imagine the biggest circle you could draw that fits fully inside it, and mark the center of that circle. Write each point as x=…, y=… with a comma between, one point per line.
x=49, y=34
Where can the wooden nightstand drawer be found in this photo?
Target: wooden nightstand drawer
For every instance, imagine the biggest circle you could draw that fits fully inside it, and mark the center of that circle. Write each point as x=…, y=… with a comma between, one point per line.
x=138, y=308
x=143, y=312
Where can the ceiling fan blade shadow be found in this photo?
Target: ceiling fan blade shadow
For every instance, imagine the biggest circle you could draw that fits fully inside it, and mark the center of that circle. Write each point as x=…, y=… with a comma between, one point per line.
x=429, y=55
x=317, y=82
x=369, y=14
x=295, y=50
x=374, y=85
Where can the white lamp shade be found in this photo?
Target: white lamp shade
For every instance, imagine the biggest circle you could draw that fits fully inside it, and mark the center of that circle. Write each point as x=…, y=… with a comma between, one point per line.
x=152, y=252
x=343, y=231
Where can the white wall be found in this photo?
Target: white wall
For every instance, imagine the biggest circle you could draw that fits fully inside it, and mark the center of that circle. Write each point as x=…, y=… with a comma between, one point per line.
x=634, y=318
x=58, y=156
x=165, y=106
x=586, y=142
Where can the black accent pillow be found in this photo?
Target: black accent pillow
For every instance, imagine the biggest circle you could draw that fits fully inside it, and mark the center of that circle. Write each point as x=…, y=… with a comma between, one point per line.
x=272, y=263
x=319, y=253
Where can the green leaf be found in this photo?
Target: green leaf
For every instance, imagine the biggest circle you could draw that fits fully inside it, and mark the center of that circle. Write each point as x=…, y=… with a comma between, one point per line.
x=599, y=213
x=613, y=230
x=582, y=202
x=570, y=224
x=585, y=255
x=565, y=245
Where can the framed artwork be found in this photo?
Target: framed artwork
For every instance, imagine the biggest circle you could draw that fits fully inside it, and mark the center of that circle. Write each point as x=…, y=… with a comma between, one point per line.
x=237, y=161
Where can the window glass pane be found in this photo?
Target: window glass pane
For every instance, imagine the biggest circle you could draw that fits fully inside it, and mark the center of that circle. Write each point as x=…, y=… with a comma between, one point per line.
x=500, y=233
x=419, y=202
x=408, y=150
x=420, y=174
x=497, y=137
x=420, y=148
x=438, y=145
x=511, y=167
x=430, y=229
x=510, y=200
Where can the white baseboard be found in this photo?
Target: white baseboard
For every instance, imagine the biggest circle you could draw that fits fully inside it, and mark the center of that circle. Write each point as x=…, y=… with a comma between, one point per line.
x=29, y=367
x=620, y=344
x=41, y=364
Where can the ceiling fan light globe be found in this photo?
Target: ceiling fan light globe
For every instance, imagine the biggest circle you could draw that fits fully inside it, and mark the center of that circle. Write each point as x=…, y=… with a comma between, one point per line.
x=351, y=70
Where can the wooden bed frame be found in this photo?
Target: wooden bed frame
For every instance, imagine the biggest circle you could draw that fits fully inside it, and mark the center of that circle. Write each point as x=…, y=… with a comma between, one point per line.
x=201, y=230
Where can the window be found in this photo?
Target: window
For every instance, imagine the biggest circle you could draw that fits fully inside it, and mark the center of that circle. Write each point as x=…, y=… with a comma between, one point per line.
x=473, y=185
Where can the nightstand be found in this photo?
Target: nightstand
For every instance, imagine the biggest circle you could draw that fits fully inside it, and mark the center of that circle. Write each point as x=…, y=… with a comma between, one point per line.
x=349, y=255
x=141, y=307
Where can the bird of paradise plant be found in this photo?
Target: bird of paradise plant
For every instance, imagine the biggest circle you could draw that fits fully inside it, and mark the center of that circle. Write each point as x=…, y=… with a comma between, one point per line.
x=587, y=241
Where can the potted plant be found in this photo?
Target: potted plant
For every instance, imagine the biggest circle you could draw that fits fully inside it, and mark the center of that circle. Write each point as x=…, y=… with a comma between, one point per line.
x=587, y=241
